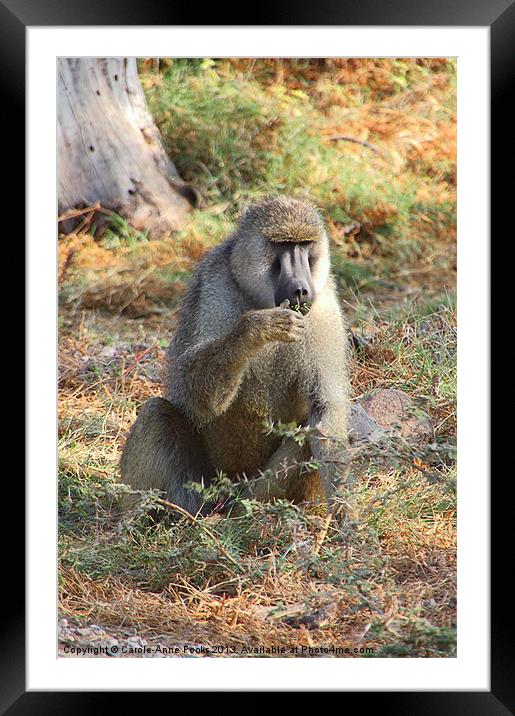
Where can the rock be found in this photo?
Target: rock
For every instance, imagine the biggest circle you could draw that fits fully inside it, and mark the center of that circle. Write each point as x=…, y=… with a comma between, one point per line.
x=361, y=425
x=317, y=619
x=395, y=410
x=108, y=353
x=358, y=341
x=315, y=616
x=136, y=642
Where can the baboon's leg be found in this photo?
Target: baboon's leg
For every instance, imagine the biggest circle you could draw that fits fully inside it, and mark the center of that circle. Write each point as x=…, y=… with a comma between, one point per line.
x=286, y=479
x=163, y=452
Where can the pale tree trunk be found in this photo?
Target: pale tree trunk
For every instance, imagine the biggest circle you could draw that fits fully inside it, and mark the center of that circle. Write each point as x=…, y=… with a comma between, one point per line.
x=109, y=149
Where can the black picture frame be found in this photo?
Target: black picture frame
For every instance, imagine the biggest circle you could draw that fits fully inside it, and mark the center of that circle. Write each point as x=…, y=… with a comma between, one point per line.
x=499, y=16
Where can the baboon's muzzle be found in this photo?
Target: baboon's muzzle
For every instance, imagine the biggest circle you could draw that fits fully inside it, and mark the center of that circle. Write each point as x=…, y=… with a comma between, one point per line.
x=294, y=281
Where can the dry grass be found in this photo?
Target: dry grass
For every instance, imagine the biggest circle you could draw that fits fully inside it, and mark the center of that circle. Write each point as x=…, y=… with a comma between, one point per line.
x=392, y=584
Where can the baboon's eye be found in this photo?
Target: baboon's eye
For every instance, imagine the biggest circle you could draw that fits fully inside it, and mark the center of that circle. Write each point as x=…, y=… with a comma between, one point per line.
x=276, y=265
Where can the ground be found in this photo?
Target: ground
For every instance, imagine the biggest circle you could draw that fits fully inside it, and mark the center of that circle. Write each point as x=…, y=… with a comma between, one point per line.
x=279, y=576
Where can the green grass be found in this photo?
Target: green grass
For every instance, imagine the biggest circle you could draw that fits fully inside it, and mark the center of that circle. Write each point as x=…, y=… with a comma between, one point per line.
x=119, y=233
x=236, y=139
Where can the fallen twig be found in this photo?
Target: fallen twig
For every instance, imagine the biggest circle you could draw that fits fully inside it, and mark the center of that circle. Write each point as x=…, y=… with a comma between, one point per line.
x=323, y=532
x=139, y=356
x=73, y=213
x=354, y=140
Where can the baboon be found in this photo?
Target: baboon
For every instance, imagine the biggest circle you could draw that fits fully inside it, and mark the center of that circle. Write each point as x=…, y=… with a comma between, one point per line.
x=241, y=355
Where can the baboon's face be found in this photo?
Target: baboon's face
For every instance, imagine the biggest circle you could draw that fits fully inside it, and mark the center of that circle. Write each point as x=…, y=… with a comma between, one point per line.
x=270, y=272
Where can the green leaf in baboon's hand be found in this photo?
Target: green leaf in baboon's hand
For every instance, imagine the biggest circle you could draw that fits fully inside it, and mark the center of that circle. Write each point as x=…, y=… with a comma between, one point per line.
x=303, y=308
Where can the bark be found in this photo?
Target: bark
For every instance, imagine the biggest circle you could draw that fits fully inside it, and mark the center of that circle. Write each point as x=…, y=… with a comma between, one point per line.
x=110, y=151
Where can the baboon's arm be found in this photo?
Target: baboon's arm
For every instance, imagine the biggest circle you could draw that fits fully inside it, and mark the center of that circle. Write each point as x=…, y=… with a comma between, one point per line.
x=329, y=401
x=213, y=371
x=213, y=374
x=329, y=444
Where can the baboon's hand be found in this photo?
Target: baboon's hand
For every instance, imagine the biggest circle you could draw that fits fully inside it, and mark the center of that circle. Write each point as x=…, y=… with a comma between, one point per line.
x=274, y=324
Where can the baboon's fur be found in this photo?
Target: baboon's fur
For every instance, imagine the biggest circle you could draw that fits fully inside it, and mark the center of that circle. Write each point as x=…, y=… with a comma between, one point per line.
x=281, y=218
x=236, y=360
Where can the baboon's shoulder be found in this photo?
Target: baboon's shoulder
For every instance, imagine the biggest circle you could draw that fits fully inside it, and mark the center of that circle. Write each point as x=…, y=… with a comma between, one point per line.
x=212, y=301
